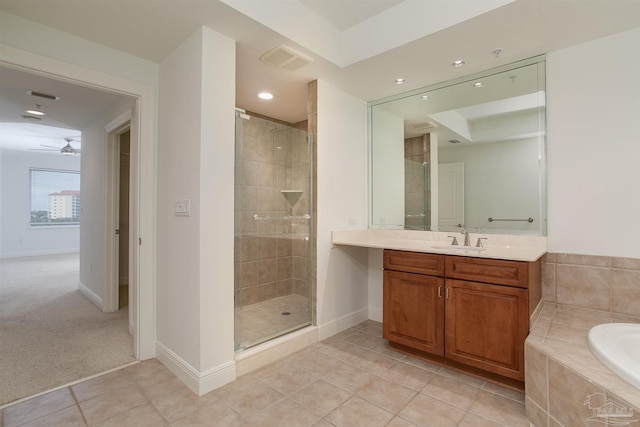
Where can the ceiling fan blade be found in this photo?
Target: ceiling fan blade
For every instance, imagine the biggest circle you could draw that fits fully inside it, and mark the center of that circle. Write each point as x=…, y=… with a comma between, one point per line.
x=49, y=146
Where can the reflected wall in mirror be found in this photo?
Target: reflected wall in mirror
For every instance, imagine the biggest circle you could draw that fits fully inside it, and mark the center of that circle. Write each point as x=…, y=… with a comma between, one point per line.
x=467, y=153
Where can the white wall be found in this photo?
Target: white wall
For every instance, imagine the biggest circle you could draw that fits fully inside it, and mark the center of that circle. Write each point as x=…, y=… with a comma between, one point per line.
x=501, y=180
x=195, y=253
x=93, y=233
x=16, y=237
x=388, y=163
x=593, y=147
x=342, y=188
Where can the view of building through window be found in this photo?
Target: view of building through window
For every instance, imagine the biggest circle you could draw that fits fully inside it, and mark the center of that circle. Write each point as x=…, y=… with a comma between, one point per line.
x=55, y=197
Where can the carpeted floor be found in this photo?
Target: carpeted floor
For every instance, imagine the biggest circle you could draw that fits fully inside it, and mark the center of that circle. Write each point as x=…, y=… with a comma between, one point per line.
x=50, y=334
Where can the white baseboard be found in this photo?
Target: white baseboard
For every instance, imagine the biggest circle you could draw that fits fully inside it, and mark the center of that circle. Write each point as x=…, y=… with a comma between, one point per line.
x=92, y=296
x=7, y=255
x=263, y=354
x=375, y=314
x=342, y=323
x=199, y=382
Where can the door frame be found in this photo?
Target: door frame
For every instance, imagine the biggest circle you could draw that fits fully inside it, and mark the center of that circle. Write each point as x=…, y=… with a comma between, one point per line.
x=143, y=146
x=112, y=281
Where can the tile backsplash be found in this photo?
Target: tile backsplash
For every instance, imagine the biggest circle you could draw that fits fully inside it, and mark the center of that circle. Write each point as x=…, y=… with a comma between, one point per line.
x=608, y=284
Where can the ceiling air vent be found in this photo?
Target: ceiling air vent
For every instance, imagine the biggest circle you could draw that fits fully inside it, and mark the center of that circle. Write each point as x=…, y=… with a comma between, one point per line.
x=286, y=58
x=43, y=95
x=423, y=126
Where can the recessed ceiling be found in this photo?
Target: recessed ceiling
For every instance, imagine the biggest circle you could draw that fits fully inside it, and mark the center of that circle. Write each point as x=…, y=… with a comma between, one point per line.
x=387, y=39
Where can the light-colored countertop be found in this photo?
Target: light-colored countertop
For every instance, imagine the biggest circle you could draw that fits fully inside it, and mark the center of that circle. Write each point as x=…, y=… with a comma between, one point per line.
x=496, y=246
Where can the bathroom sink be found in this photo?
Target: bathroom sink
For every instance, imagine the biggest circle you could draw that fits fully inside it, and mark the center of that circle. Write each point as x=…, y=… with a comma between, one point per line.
x=458, y=248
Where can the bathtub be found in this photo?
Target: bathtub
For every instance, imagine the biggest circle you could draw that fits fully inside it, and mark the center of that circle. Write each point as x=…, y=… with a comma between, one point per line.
x=617, y=346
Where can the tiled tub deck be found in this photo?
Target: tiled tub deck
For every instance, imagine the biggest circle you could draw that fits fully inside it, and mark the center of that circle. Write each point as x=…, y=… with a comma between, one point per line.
x=566, y=385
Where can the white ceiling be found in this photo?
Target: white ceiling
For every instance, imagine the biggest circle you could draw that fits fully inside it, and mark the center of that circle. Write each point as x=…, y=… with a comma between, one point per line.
x=386, y=39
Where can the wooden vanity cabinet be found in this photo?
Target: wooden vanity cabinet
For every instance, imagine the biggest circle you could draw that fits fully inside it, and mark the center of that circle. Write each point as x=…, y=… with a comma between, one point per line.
x=473, y=312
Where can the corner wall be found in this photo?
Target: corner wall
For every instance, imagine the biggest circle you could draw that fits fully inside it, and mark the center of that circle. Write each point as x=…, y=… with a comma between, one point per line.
x=593, y=147
x=341, y=272
x=195, y=253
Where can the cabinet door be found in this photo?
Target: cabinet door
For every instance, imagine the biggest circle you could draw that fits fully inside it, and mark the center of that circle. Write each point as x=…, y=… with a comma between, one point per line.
x=413, y=312
x=486, y=326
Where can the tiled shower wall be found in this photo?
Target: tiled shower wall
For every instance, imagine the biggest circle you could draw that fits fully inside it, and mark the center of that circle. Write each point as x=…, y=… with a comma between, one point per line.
x=607, y=284
x=416, y=152
x=271, y=252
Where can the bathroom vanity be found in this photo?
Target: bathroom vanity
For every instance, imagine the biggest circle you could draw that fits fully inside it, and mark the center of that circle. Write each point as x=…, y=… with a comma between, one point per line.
x=470, y=313
x=465, y=308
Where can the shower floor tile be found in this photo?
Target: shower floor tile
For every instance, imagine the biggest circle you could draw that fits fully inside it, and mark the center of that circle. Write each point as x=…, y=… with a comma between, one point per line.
x=258, y=322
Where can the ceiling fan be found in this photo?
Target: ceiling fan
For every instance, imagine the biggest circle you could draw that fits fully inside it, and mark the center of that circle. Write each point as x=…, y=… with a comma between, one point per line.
x=67, y=150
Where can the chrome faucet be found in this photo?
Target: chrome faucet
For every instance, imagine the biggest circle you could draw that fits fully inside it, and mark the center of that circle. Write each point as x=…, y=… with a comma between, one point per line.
x=467, y=240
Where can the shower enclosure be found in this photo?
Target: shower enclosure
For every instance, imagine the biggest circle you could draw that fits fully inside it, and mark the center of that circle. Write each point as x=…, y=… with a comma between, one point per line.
x=417, y=192
x=273, y=230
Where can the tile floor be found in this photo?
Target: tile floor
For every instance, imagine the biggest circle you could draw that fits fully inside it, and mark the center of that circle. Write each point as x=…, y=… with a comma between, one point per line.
x=350, y=379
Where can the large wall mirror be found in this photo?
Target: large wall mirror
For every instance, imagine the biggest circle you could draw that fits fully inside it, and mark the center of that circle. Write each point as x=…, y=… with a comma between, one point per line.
x=466, y=153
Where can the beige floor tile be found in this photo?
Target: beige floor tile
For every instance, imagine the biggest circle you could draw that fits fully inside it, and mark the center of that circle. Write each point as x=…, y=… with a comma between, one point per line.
x=100, y=385
x=212, y=415
x=400, y=422
x=181, y=402
x=499, y=409
x=427, y=411
x=356, y=412
x=68, y=417
x=318, y=364
x=37, y=407
x=141, y=416
x=323, y=423
x=372, y=328
x=144, y=370
x=373, y=362
x=476, y=382
x=348, y=377
x=289, y=379
x=286, y=412
x=321, y=397
x=386, y=394
x=342, y=350
x=472, y=420
x=518, y=396
x=113, y=403
x=160, y=384
x=422, y=364
x=451, y=391
x=252, y=398
x=382, y=347
x=364, y=340
x=408, y=375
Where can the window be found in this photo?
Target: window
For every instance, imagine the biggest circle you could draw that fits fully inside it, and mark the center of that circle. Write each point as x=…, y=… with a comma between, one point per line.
x=55, y=197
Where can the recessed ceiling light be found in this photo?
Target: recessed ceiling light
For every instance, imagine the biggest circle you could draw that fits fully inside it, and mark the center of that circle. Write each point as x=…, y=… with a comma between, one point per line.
x=424, y=97
x=455, y=141
x=35, y=112
x=478, y=85
x=265, y=95
x=459, y=63
x=399, y=81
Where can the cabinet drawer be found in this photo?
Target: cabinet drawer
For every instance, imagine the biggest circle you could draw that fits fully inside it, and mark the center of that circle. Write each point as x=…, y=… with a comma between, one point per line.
x=414, y=262
x=500, y=272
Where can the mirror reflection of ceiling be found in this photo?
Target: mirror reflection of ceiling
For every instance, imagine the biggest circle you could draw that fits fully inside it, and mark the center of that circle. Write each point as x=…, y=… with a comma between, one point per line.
x=471, y=114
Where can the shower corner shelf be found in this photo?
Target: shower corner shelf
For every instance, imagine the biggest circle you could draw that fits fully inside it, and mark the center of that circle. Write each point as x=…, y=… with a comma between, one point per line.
x=292, y=196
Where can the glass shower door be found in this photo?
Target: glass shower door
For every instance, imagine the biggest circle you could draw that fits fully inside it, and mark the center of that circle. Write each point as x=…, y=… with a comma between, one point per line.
x=273, y=230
